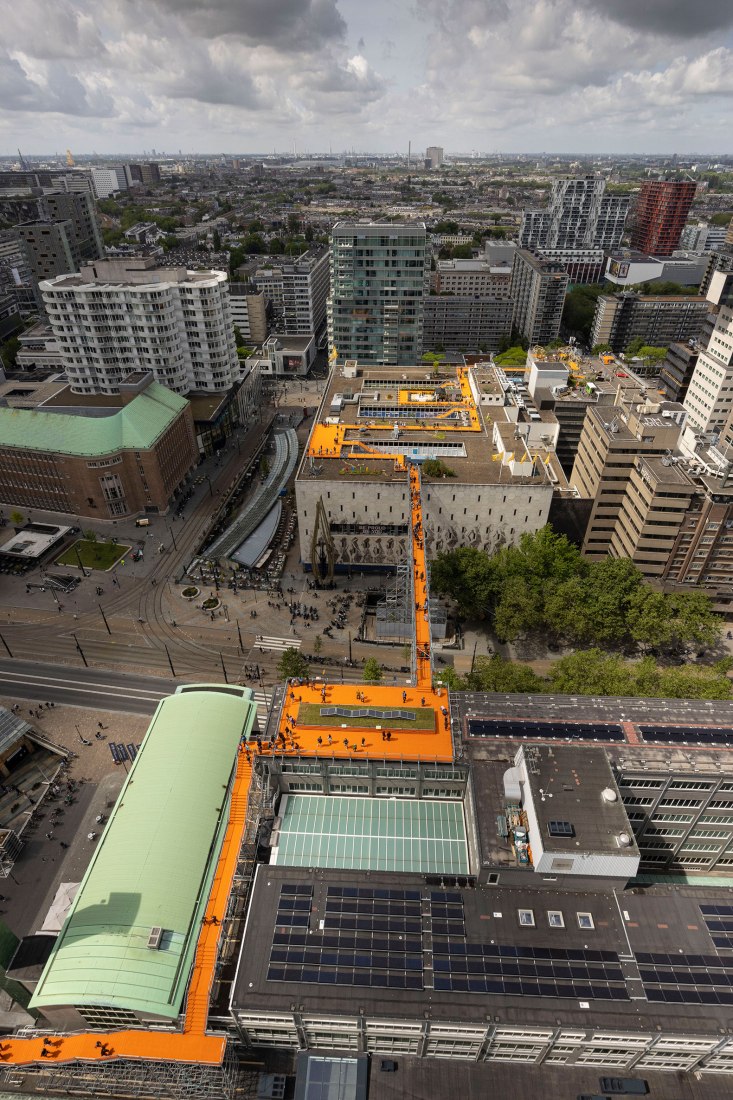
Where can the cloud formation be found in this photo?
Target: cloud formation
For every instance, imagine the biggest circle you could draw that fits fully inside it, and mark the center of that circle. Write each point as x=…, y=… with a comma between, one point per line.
x=252, y=75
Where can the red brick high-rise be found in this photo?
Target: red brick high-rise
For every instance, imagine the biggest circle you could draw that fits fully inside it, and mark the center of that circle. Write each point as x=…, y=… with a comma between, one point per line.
x=660, y=216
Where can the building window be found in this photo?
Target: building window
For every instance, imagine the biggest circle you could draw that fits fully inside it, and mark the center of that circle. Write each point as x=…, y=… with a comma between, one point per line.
x=555, y=918
x=526, y=918
x=585, y=921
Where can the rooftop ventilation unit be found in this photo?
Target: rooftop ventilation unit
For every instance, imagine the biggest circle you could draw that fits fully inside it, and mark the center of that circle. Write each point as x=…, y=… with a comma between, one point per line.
x=156, y=935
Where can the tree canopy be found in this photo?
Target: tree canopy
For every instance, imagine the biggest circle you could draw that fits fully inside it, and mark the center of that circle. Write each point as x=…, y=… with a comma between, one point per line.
x=545, y=586
x=593, y=672
x=292, y=665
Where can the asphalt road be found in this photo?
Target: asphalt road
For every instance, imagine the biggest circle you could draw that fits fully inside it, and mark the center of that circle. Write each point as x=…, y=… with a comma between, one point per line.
x=85, y=687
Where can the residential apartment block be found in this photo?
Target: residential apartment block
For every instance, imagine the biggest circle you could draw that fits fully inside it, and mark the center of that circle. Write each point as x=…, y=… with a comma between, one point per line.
x=538, y=292
x=116, y=316
x=298, y=292
x=466, y=323
x=378, y=280
x=660, y=215
x=464, y=277
x=655, y=319
x=249, y=312
x=579, y=214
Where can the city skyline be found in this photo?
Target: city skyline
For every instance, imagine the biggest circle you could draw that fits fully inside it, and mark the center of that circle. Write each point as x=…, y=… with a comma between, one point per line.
x=319, y=74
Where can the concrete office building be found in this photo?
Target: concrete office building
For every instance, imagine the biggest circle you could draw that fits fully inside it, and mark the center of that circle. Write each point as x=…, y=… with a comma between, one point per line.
x=660, y=216
x=10, y=318
x=612, y=441
x=538, y=292
x=466, y=323
x=284, y=356
x=108, y=181
x=352, y=491
x=709, y=397
x=298, y=291
x=465, y=277
x=658, y=320
x=52, y=248
x=677, y=369
x=120, y=315
x=703, y=236
x=39, y=349
x=16, y=275
x=579, y=214
x=583, y=265
x=625, y=268
x=249, y=312
x=433, y=156
x=77, y=208
x=144, y=173
x=129, y=457
x=379, y=274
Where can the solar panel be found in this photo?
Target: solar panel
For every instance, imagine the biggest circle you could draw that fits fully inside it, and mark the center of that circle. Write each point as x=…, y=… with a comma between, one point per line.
x=688, y=735
x=560, y=828
x=367, y=712
x=569, y=731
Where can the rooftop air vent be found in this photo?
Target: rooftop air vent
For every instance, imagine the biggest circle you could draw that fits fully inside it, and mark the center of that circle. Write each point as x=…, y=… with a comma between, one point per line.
x=156, y=935
x=609, y=795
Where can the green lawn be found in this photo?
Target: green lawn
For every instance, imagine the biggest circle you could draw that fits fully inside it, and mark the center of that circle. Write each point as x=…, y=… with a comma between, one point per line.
x=309, y=714
x=94, y=555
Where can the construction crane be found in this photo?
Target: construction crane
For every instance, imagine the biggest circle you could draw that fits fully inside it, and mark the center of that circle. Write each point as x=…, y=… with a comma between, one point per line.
x=69, y=159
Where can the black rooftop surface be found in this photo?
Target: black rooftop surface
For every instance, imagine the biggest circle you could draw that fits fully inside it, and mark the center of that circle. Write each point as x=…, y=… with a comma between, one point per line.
x=486, y=958
x=567, y=784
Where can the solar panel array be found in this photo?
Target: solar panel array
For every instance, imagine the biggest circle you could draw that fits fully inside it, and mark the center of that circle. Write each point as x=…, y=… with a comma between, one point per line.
x=369, y=937
x=374, y=937
x=686, y=979
x=687, y=735
x=566, y=731
x=367, y=712
x=528, y=971
x=719, y=921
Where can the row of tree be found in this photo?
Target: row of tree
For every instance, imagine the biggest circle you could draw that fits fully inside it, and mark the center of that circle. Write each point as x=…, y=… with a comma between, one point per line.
x=593, y=672
x=545, y=587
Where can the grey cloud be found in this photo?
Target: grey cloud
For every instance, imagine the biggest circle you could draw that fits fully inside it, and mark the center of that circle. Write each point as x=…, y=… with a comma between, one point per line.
x=52, y=31
x=207, y=84
x=671, y=18
x=298, y=25
x=63, y=93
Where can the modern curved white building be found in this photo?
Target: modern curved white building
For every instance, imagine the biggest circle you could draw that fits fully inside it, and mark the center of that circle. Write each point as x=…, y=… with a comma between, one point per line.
x=118, y=316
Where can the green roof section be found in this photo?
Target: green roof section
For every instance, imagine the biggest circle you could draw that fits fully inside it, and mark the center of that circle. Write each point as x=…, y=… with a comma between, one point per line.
x=155, y=862
x=135, y=427
x=372, y=834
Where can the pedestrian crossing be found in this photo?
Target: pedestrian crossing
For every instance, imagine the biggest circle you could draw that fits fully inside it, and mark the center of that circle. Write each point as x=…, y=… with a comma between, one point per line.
x=262, y=699
x=263, y=641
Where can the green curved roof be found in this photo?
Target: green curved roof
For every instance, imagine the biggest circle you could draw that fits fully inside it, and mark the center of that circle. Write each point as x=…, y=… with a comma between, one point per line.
x=134, y=427
x=155, y=862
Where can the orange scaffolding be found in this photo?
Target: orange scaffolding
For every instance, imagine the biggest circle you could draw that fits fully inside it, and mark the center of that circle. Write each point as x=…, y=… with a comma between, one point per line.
x=423, y=641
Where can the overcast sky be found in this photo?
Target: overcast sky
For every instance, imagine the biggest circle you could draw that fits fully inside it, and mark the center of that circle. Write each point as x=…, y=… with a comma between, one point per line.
x=371, y=75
